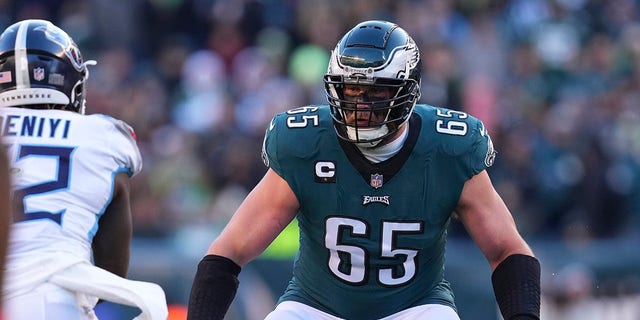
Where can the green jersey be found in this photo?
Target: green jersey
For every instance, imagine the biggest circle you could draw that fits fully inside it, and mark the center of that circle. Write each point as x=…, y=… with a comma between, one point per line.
x=372, y=235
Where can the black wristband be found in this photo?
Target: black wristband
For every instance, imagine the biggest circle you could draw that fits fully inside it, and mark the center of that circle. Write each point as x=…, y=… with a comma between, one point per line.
x=214, y=287
x=516, y=284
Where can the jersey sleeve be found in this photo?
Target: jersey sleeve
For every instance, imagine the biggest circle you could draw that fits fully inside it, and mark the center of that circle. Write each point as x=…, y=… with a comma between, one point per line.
x=482, y=153
x=270, y=145
x=123, y=145
x=293, y=135
x=464, y=140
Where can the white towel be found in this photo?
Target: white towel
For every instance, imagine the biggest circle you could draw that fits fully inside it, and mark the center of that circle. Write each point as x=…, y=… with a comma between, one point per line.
x=25, y=273
x=96, y=283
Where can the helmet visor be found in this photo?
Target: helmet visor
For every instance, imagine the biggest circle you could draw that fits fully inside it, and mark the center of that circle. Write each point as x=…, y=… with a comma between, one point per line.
x=360, y=57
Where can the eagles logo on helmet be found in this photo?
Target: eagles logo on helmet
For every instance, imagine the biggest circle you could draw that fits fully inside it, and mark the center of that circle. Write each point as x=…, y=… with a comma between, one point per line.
x=377, y=54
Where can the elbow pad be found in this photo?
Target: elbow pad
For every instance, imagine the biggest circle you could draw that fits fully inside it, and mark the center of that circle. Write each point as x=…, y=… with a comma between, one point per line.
x=516, y=285
x=214, y=288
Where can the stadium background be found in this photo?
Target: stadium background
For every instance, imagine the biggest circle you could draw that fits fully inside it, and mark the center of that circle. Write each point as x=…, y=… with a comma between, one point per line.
x=556, y=82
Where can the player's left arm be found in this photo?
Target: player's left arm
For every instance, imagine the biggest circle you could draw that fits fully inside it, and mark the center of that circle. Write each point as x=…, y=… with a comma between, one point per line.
x=111, y=244
x=489, y=221
x=516, y=272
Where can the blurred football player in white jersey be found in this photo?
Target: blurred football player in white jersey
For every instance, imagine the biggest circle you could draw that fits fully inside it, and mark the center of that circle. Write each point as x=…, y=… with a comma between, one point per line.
x=5, y=212
x=70, y=237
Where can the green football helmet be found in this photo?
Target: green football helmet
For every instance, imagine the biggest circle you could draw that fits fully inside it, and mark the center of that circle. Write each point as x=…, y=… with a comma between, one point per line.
x=374, y=55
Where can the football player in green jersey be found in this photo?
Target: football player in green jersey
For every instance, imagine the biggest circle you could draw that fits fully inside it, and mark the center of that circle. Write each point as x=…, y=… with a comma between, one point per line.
x=373, y=179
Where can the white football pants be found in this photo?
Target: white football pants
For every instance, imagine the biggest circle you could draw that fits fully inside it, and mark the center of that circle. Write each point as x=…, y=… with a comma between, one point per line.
x=291, y=310
x=46, y=302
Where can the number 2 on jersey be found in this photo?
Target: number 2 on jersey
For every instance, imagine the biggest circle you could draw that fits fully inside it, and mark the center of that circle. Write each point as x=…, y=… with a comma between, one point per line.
x=63, y=158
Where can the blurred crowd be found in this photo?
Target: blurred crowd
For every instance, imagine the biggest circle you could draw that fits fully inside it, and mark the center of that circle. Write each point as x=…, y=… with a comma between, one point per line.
x=556, y=82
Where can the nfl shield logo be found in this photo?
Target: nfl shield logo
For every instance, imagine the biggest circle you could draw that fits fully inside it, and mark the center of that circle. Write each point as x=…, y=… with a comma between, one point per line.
x=376, y=180
x=38, y=74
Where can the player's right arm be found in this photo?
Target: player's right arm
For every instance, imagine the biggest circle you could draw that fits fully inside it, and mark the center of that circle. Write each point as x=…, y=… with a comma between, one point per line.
x=263, y=214
x=268, y=208
x=266, y=211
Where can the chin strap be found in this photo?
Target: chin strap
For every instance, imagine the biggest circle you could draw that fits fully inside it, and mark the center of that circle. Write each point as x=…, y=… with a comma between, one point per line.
x=367, y=134
x=81, y=108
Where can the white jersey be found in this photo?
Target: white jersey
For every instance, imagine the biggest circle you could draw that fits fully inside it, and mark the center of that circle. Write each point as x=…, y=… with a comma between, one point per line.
x=63, y=166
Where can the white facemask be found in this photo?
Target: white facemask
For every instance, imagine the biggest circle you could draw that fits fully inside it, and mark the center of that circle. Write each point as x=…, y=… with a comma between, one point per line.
x=367, y=134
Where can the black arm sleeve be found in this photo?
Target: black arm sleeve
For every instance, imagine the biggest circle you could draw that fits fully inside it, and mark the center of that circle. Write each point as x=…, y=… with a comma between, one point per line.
x=214, y=287
x=516, y=284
